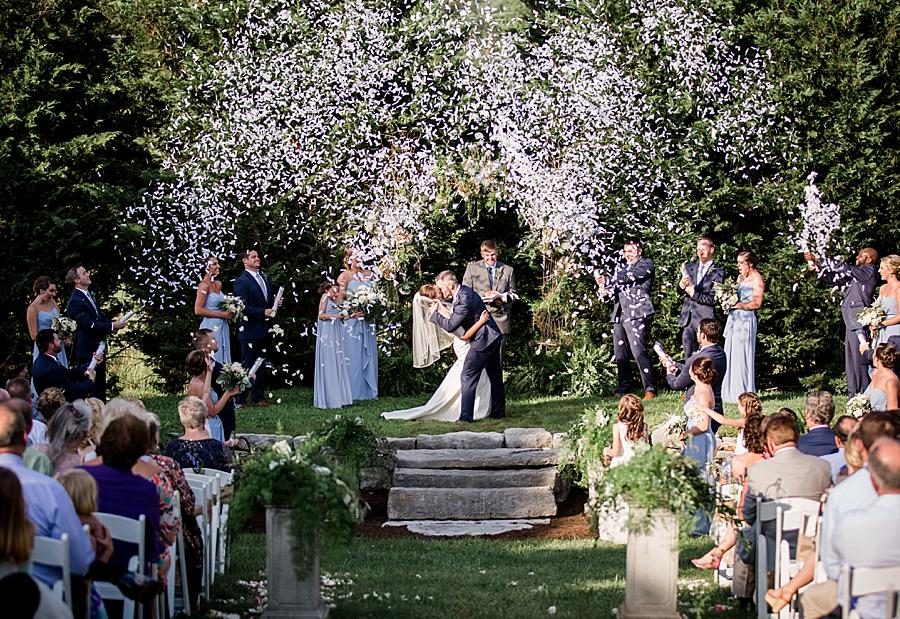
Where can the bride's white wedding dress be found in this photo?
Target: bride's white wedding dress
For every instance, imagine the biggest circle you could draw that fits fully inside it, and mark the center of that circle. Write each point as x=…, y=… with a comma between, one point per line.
x=428, y=341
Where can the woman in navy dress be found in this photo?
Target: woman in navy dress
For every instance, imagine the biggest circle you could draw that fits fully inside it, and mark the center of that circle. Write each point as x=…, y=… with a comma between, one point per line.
x=206, y=305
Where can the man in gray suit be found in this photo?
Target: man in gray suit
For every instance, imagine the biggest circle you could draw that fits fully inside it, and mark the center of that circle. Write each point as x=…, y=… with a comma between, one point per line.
x=858, y=284
x=632, y=315
x=495, y=282
x=697, y=279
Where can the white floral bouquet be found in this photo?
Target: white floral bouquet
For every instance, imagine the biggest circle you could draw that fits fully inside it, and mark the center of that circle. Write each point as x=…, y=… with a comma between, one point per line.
x=859, y=406
x=726, y=294
x=370, y=301
x=234, y=304
x=233, y=375
x=872, y=315
x=64, y=327
x=668, y=434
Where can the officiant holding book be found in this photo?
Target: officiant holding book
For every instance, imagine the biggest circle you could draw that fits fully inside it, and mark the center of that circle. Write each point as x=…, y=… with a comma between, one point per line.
x=495, y=282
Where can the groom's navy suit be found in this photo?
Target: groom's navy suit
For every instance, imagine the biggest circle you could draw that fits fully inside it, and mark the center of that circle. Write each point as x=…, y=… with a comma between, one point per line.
x=253, y=331
x=484, y=352
x=93, y=327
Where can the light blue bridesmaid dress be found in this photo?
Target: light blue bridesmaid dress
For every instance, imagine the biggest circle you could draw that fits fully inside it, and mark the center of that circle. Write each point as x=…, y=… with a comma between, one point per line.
x=740, y=349
x=214, y=424
x=701, y=448
x=219, y=327
x=361, y=349
x=889, y=305
x=331, y=384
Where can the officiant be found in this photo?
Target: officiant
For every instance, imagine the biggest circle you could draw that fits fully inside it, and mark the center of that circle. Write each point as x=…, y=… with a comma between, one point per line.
x=496, y=283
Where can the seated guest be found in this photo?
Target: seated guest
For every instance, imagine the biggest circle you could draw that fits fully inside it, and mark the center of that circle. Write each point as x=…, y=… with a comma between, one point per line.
x=120, y=492
x=49, y=372
x=50, y=401
x=33, y=458
x=23, y=596
x=98, y=418
x=68, y=435
x=852, y=456
x=195, y=449
x=20, y=389
x=819, y=439
x=842, y=428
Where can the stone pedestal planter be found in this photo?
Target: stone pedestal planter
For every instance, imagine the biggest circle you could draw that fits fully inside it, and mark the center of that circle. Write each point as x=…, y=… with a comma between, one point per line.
x=289, y=597
x=651, y=570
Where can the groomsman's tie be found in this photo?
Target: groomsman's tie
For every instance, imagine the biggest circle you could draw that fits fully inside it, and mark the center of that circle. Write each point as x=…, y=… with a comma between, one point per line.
x=701, y=271
x=491, y=277
x=90, y=298
x=262, y=285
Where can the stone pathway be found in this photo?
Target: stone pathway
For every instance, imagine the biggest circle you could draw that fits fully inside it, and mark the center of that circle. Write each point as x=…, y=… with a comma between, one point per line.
x=461, y=528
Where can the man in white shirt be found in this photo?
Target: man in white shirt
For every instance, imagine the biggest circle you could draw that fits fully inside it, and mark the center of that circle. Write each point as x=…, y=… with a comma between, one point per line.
x=842, y=429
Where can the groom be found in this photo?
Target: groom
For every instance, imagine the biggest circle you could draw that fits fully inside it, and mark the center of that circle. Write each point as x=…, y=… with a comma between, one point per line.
x=484, y=349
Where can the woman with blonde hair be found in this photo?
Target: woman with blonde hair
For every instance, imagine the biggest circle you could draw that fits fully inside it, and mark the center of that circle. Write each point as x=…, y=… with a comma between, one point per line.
x=628, y=430
x=68, y=436
x=195, y=448
x=889, y=298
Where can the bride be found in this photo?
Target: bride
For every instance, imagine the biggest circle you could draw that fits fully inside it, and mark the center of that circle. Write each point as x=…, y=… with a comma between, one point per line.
x=428, y=342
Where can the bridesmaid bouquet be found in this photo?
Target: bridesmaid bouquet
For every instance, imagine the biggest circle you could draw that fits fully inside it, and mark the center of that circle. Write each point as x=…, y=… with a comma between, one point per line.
x=859, y=405
x=232, y=303
x=872, y=316
x=369, y=301
x=726, y=294
x=233, y=375
x=64, y=327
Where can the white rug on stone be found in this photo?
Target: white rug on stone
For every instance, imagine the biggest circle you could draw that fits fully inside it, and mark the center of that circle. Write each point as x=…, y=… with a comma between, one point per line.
x=457, y=528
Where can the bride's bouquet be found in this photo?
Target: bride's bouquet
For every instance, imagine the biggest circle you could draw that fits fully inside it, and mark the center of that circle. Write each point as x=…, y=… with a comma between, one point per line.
x=234, y=304
x=233, y=375
x=859, y=406
x=370, y=301
x=64, y=327
x=726, y=294
x=871, y=316
x=669, y=433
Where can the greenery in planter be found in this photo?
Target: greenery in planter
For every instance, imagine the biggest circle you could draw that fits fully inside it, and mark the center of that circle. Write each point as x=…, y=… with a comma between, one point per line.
x=320, y=493
x=584, y=445
x=347, y=441
x=657, y=479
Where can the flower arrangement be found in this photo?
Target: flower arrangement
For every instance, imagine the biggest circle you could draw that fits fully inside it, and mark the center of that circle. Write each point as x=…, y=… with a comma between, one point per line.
x=234, y=304
x=726, y=294
x=234, y=375
x=64, y=327
x=370, y=301
x=669, y=434
x=319, y=492
x=859, y=406
x=872, y=316
x=348, y=441
x=582, y=457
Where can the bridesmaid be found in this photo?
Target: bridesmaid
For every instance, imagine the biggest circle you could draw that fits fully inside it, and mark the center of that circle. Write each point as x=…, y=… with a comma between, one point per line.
x=206, y=305
x=332, y=382
x=889, y=298
x=360, y=344
x=740, y=330
x=42, y=311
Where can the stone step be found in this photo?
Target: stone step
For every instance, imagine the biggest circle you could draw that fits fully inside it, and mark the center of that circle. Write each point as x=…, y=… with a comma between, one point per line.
x=474, y=478
x=470, y=503
x=476, y=458
x=460, y=440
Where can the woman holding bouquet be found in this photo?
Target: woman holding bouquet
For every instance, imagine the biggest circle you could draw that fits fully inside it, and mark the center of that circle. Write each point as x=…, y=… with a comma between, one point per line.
x=331, y=387
x=889, y=298
x=200, y=367
x=359, y=342
x=740, y=330
x=207, y=305
x=42, y=312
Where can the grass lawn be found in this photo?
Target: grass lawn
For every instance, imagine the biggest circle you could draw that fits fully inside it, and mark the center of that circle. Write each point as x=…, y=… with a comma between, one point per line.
x=415, y=577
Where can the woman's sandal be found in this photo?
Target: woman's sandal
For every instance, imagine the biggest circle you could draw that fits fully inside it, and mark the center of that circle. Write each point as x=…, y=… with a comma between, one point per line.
x=709, y=561
x=776, y=601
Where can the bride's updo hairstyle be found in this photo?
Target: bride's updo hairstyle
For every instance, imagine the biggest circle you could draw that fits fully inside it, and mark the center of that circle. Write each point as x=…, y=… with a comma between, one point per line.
x=702, y=368
x=431, y=291
x=886, y=355
x=631, y=413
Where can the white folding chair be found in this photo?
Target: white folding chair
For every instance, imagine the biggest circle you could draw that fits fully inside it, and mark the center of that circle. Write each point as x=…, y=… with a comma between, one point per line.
x=202, y=488
x=176, y=553
x=129, y=531
x=55, y=553
x=226, y=479
x=861, y=581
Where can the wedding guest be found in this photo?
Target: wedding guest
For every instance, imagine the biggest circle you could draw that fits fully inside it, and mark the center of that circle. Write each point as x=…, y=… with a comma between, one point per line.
x=200, y=367
x=853, y=457
x=857, y=283
x=258, y=294
x=23, y=595
x=360, y=346
x=206, y=305
x=749, y=405
x=632, y=316
x=33, y=458
x=93, y=325
x=629, y=430
x=844, y=425
x=68, y=432
x=708, y=336
x=331, y=383
x=889, y=298
x=885, y=386
x=494, y=281
x=697, y=279
x=195, y=449
x=98, y=421
x=740, y=330
x=47, y=371
x=21, y=389
x=818, y=413
x=50, y=400
x=205, y=340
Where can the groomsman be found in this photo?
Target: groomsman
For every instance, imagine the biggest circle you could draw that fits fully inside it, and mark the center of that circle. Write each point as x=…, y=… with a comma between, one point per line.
x=93, y=325
x=708, y=337
x=696, y=283
x=491, y=278
x=257, y=292
x=858, y=283
x=632, y=316
x=48, y=372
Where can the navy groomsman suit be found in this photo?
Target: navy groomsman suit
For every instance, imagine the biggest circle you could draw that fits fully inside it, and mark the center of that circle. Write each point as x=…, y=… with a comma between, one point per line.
x=93, y=327
x=253, y=333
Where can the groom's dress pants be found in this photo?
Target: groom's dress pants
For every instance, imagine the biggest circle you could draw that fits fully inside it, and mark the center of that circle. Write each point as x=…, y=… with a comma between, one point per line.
x=630, y=340
x=476, y=361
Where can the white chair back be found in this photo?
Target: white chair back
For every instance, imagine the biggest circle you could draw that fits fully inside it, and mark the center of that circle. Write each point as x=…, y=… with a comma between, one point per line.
x=129, y=531
x=55, y=553
x=204, y=499
x=867, y=581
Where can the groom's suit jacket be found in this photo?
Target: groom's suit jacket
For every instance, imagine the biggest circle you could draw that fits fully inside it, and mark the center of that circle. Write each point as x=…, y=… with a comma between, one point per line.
x=477, y=278
x=702, y=304
x=630, y=286
x=256, y=327
x=93, y=326
x=467, y=308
